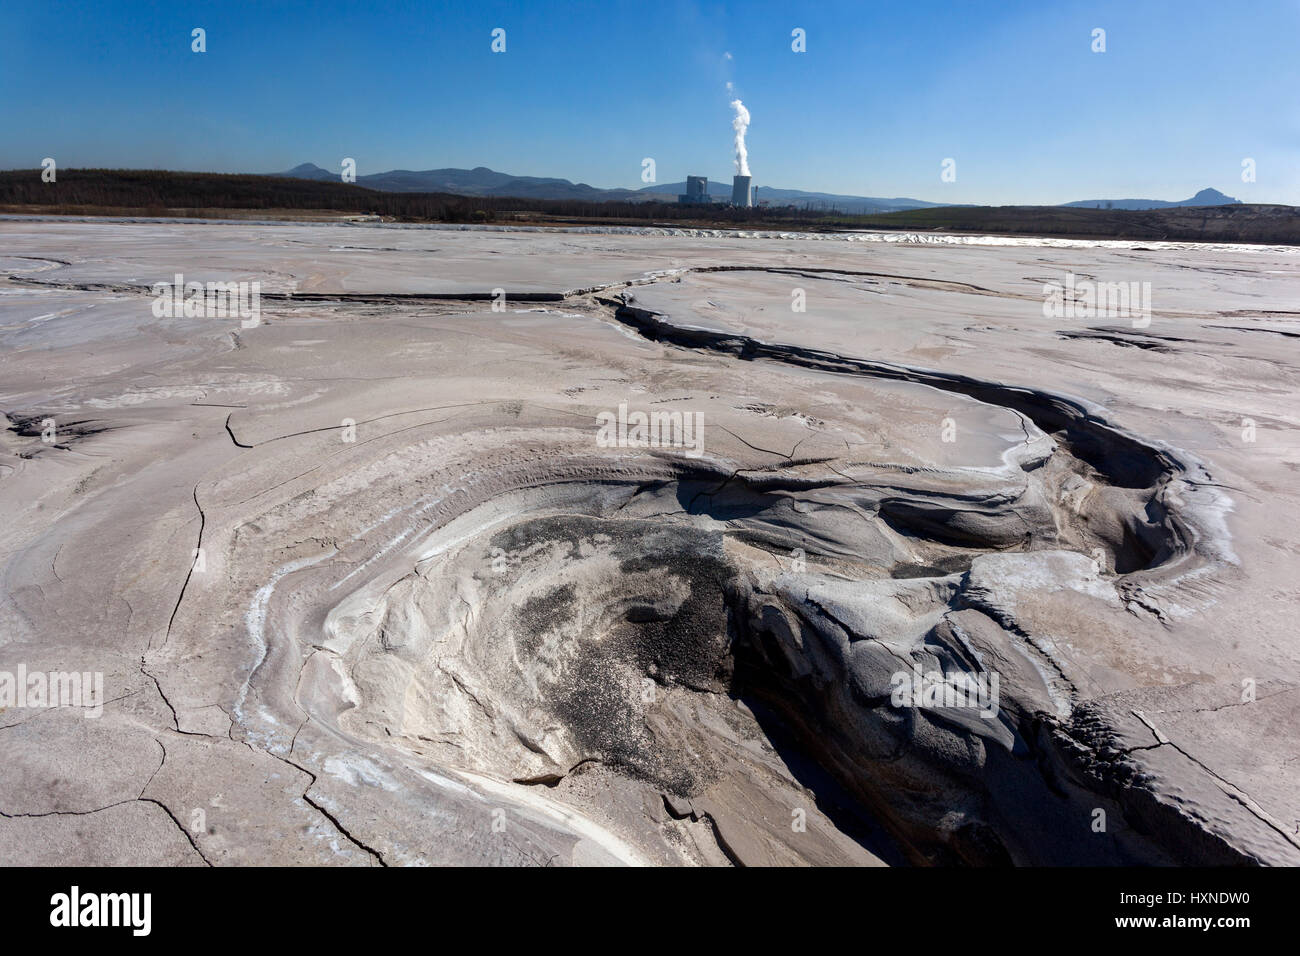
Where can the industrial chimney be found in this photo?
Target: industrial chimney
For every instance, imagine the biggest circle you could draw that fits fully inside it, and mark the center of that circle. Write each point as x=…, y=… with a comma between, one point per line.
x=740, y=191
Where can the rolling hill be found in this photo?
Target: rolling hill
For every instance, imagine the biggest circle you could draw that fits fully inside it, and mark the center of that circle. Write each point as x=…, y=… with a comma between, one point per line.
x=1206, y=197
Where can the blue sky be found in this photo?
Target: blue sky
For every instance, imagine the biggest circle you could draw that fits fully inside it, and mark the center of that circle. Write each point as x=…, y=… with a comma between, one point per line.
x=1010, y=90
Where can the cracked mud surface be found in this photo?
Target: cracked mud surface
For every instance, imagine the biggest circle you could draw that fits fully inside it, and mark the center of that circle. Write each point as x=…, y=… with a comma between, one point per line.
x=474, y=635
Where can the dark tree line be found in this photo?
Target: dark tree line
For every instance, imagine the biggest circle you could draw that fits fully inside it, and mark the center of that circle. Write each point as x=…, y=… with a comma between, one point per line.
x=161, y=193
x=168, y=191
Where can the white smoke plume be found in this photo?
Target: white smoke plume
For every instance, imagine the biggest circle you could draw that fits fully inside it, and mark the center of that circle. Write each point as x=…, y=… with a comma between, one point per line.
x=740, y=124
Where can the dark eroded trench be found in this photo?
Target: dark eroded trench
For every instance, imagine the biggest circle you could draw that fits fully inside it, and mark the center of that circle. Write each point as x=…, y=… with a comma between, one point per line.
x=687, y=590
x=691, y=592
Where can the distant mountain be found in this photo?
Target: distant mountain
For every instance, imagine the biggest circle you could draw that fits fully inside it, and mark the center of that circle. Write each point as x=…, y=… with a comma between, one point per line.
x=482, y=181
x=1206, y=197
x=479, y=181
x=309, y=171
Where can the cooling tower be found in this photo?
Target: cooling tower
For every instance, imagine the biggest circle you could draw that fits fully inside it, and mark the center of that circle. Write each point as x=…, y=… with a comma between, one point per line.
x=740, y=191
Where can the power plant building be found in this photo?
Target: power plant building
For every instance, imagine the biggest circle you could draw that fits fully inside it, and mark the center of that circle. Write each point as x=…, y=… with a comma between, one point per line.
x=697, y=191
x=743, y=192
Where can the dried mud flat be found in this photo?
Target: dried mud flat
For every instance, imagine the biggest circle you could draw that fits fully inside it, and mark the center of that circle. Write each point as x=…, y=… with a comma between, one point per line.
x=365, y=587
